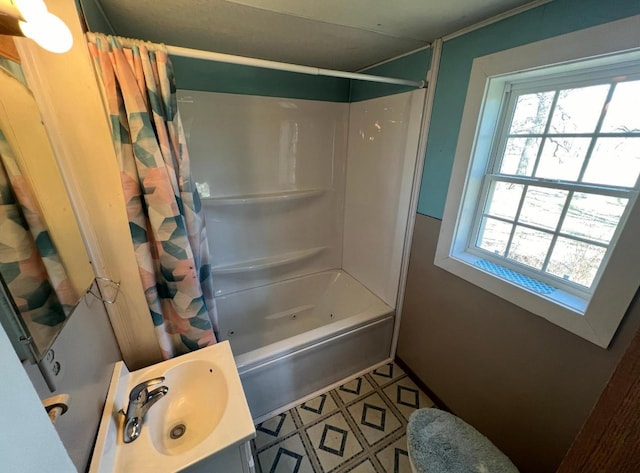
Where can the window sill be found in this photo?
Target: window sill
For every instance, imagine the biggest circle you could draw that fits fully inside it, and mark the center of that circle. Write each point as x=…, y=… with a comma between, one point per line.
x=558, y=307
x=520, y=282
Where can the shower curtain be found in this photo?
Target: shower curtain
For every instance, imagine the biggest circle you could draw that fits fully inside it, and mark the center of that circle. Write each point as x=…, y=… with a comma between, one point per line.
x=29, y=261
x=164, y=210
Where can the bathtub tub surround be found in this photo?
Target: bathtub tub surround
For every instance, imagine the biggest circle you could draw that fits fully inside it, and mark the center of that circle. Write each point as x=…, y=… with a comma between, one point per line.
x=295, y=337
x=357, y=427
x=308, y=205
x=271, y=174
x=201, y=422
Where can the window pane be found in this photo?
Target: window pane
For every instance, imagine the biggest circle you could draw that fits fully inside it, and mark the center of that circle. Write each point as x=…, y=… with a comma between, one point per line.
x=562, y=158
x=504, y=199
x=575, y=261
x=542, y=207
x=593, y=216
x=529, y=247
x=578, y=110
x=494, y=235
x=531, y=113
x=520, y=156
x=614, y=161
x=622, y=113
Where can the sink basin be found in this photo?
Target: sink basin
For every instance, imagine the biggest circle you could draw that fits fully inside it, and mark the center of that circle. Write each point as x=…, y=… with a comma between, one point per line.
x=191, y=410
x=203, y=413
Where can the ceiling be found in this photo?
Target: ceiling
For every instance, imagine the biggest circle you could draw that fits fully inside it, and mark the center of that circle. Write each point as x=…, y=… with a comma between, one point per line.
x=334, y=34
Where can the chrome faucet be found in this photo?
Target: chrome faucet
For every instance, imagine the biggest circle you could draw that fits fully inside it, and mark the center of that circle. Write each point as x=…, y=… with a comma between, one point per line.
x=140, y=401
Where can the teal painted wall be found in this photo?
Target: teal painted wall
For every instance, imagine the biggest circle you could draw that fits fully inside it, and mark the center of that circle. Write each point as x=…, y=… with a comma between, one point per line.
x=194, y=74
x=94, y=16
x=411, y=67
x=553, y=19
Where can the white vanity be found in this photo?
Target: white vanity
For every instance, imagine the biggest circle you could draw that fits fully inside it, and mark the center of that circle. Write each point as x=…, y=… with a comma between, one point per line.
x=200, y=423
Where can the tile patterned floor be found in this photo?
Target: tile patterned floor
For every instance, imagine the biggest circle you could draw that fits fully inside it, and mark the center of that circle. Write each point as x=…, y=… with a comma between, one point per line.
x=359, y=427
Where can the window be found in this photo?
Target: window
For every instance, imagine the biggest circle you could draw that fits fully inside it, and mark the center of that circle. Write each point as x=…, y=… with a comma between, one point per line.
x=546, y=176
x=563, y=173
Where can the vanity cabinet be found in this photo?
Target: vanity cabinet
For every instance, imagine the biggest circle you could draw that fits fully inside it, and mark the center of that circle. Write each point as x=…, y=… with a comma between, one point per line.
x=234, y=459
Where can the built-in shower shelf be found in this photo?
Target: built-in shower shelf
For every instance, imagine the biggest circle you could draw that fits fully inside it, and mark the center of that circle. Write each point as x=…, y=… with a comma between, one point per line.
x=264, y=198
x=266, y=263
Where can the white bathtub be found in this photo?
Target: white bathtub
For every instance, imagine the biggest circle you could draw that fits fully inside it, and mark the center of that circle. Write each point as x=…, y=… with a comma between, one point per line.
x=295, y=337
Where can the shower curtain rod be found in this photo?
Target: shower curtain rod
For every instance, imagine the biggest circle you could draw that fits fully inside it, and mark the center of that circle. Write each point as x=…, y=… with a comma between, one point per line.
x=284, y=66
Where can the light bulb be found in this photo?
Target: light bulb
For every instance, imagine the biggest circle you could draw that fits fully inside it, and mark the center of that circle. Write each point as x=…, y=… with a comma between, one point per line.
x=49, y=31
x=31, y=9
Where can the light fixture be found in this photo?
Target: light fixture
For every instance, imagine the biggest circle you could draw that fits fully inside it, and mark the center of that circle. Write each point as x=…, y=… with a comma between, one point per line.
x=37, y=23
x=49, y=31
x=30, y=9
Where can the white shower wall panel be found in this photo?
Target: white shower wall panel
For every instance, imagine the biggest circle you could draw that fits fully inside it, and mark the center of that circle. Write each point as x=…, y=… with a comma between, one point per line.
x=271, y=173
x=383, y=145
x=256, y=232
x=247, y=144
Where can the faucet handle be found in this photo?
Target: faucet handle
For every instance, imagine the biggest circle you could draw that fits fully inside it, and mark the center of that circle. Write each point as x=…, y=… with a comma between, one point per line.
x=141, y=388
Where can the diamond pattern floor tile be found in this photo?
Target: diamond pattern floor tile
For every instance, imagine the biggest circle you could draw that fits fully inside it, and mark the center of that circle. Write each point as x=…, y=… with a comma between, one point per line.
x=364, y=467
x=374, y=418
x=386, y=373
x=334, y=442
x=354, y=389
x=394, y=458
x=407, y=397
x=288, y=456
x=315, y=408
x=273, y=429
x=359, y=427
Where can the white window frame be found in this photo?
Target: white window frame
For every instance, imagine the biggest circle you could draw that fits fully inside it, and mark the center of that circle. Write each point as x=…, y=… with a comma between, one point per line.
x=596, y=318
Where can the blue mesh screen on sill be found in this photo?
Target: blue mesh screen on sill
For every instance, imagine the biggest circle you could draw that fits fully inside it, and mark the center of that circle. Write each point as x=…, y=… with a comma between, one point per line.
x=515, y=277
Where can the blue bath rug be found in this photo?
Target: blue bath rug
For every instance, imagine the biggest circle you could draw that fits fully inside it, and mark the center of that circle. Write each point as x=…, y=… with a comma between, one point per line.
x=440, y=442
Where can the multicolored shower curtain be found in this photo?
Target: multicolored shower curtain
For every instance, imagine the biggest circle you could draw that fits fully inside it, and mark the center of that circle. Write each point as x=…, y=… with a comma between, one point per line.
x=165, y=219
x=29, y=261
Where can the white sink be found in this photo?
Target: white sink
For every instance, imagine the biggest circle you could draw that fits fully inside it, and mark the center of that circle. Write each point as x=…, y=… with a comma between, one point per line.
x=205, y=401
